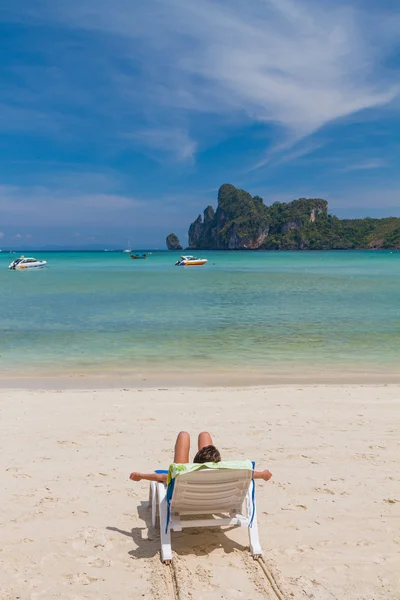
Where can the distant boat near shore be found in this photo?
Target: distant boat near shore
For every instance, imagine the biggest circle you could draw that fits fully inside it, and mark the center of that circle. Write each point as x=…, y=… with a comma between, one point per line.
x=129, y=249
x=22, y=264
x=138, y=256
x=190, y=261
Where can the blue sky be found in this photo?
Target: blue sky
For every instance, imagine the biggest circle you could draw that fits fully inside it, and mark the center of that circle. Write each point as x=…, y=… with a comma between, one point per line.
x=120, y=120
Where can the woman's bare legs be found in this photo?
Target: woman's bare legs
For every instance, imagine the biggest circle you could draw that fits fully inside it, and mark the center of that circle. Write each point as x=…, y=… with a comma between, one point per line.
x=204, y=439
x=182, y=448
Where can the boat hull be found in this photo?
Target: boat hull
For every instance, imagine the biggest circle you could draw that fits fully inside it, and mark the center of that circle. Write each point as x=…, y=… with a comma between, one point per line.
x=192, y=263
x=28, y=267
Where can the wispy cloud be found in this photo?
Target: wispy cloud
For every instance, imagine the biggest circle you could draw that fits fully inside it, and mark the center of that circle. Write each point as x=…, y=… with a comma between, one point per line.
x=14, y=117
x=232, y=84
x=366, y=165
x=36, y=205
x=94, y=200
x=287, y=154
x=172, y=143
x=298, y=66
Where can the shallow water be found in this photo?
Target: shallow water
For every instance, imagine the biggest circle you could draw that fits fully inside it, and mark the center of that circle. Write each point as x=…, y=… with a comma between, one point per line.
x=262, y=311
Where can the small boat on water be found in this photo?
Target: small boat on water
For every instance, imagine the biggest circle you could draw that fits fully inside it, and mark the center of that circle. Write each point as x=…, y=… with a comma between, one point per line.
x=138, y=256
x=190, y=261
x=22, y=264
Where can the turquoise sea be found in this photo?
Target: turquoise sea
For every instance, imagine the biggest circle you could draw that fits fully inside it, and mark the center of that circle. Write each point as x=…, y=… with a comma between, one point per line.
x=244, y=312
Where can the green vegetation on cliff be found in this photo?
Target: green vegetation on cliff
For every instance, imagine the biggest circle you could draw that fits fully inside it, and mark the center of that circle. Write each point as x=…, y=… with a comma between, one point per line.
x=245, y=222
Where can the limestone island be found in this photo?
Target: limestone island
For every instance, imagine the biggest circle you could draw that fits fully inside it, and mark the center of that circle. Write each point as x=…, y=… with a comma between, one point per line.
x=173, y=242
x=244, y=222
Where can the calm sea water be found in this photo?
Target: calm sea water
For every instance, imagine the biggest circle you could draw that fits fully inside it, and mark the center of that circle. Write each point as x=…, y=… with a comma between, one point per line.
x=260, y=311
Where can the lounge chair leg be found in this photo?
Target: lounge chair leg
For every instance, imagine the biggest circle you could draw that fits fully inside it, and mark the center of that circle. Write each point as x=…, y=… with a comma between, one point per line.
x=166, y=550
x=255, y=547
x=153, y=503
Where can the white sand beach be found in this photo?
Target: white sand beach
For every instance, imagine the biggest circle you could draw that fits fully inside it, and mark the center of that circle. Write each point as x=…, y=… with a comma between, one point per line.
x=74, y=527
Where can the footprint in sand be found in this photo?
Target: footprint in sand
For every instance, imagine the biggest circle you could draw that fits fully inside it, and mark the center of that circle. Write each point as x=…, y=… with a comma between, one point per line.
x=49, y=499
x=81, y=578
x=67, y=443
x=92, y=537
x=325, y=491
x=99, y=563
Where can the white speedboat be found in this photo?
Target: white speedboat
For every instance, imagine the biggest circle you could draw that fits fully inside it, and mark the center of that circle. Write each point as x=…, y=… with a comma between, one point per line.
x=190, y=261
x=22, y=264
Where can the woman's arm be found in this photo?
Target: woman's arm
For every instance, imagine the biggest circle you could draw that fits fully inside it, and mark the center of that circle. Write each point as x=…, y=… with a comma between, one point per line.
x=160, y=477
x=266, y=475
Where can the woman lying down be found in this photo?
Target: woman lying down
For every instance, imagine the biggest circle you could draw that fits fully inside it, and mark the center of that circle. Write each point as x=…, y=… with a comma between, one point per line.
x=207, y=452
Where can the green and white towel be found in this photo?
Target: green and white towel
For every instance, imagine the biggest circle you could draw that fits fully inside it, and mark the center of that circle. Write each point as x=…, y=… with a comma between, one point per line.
x=182, y=469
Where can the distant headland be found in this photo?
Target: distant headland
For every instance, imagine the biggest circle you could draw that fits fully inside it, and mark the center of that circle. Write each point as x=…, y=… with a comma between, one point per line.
x=244, y=222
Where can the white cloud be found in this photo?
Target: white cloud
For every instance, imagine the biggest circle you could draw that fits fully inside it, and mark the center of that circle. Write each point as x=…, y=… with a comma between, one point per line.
x=165, y=64
x=37, y=205
x=285, y=153
x=174, y=143
x=297, y=65
x=366, y=165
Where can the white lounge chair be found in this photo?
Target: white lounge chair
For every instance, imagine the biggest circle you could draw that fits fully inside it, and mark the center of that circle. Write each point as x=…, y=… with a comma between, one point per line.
x=205, y=493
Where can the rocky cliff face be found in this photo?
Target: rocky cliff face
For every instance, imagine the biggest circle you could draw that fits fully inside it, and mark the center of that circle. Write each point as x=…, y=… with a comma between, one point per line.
x=196, y=233
x=172, y=242
x=244, y=222
x=226, y=229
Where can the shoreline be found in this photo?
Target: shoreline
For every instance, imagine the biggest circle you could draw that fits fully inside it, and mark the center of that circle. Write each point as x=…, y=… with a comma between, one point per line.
x=197, y=379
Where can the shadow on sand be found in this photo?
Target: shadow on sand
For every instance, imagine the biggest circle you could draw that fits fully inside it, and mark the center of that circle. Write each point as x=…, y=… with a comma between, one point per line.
x=197, y=542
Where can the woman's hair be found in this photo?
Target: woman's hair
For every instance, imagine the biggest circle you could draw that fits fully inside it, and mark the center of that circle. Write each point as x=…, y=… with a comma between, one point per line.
x=207, y=454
